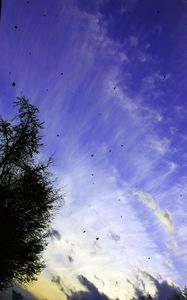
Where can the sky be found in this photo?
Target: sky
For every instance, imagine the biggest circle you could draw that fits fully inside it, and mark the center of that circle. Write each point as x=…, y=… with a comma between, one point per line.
x=109, y=79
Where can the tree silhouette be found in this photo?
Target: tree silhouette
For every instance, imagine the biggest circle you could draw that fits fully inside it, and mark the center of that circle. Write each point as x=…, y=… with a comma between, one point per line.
x=27, y=196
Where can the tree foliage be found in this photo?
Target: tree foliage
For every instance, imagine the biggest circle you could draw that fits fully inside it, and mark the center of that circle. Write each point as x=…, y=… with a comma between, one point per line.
x=27, y=196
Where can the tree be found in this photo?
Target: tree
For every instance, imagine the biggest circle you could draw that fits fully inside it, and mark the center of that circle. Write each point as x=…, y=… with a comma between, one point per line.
x=27, y=196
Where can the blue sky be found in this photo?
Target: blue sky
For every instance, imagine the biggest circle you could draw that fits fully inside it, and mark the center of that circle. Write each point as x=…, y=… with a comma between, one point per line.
x=109, y=77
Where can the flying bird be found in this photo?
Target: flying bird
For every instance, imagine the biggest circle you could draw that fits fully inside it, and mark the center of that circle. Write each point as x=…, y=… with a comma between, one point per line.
x=13, y=84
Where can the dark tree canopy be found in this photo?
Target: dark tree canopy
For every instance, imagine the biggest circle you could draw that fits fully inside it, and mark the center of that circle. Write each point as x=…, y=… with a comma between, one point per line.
x=27, y=196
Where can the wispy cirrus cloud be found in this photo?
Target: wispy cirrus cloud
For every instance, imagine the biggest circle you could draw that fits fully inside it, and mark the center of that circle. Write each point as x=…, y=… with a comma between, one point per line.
x=162, y=215
x=112, y=133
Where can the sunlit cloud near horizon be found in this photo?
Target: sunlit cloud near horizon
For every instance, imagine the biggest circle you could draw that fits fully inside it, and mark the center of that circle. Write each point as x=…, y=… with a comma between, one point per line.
x=109, y=80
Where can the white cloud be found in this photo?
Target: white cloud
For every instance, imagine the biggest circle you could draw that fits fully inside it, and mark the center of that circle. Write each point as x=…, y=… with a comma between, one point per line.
x=160, y=145
x=172, y=167
x=162, y=215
